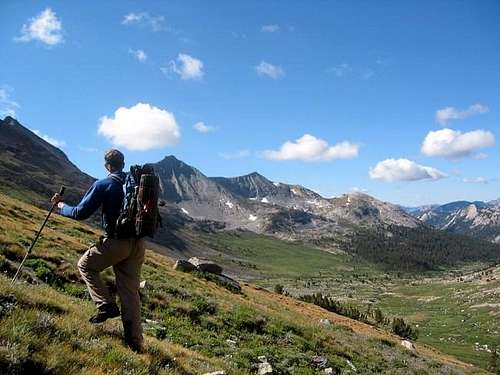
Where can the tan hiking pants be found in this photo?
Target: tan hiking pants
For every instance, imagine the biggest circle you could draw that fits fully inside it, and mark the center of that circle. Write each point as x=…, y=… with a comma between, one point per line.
x=126, y=257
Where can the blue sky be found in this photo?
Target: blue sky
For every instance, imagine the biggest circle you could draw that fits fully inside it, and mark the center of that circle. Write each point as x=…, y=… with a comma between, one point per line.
x=335, y=96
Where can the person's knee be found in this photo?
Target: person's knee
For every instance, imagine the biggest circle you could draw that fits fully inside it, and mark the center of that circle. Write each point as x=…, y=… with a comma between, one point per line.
x=83, y=264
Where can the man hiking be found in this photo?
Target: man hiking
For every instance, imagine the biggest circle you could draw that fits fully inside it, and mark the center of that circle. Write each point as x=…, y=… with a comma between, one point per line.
x=125, y=255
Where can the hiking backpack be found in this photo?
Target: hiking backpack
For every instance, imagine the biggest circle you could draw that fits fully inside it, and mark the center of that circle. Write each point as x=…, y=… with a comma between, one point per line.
x=139, y=216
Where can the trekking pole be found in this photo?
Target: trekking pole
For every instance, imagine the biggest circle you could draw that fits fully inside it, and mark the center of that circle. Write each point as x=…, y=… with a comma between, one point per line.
x=61, y=193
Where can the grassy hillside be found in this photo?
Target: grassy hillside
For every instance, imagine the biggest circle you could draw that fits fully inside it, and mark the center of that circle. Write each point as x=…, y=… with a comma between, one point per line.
x=453, y=309
x=459, y=315
x=192, y=325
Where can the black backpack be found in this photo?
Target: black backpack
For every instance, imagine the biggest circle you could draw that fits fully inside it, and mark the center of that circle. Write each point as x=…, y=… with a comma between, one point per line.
x=139, y=216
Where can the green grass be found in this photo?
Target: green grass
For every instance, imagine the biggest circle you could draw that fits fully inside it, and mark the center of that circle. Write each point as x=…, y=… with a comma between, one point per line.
x=282, y=259
x=303, y=269
x=192, y=325
x=446, y=318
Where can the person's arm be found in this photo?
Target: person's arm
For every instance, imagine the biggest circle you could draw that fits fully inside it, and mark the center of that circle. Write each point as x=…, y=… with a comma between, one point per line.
x=91, y=201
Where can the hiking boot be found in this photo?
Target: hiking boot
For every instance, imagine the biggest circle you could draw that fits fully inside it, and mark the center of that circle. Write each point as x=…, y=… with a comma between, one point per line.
x=133, y=342
x=135, y=347
x=105, y=312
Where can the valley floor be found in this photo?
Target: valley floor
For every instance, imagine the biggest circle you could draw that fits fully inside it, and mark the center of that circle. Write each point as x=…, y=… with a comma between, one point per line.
x=457, y=311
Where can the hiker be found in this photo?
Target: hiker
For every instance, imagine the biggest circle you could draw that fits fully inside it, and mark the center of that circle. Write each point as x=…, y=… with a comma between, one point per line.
x=125, y=255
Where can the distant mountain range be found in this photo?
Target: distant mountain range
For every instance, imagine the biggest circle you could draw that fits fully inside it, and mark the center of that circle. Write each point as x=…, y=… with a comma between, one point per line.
x=477, y=219
x=32, y=169
x=255, y=203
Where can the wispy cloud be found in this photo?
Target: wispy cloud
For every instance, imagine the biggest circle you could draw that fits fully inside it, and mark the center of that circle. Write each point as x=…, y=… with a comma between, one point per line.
x=447, y=114
x=310, y=148
x=53, y=141
x=270, y=28
x=8, y=107
x=340, y=70
x=393, y=170
x=477, y=180
x=45, y=27
x=235, y=155
x=270, y=70
x=237, y=35
x=201, y=127
x=453, y=144
x=138, y=54
x=155, y=23
x=186, y=66
x=368, y=73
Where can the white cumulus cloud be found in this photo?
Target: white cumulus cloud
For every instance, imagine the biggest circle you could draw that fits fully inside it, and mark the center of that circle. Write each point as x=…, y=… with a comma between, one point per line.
x=45, y=27
x=270, y=28
x=138, y=54
x=187, y=67
x=144, y=19
x=141, y=127
x=453, y=144
x=391, y=170
x=270, y=70
x=53, y=141
x=201, y=127
x=445, y=115
x=310, y=148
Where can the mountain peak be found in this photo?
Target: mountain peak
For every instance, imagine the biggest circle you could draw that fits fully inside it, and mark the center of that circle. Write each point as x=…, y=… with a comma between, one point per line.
x=171, y=162
x=170, y=158
x=254, y=175
x=10, y=120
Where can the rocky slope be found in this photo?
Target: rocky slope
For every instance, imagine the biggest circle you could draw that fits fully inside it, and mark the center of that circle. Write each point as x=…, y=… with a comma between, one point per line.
x=477, y=219
x=32, y=167
x=254, y=202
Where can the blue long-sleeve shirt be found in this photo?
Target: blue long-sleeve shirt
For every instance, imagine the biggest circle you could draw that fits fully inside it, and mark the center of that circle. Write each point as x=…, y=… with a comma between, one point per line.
x=106, y=193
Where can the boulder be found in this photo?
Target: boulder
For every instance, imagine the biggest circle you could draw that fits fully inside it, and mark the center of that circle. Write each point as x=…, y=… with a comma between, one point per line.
x=265, y=368
x=204, y=265
x=319, y=361
x=229, y=283
x=329, y=371
x=408, y=345
x=184, y=266
x=7, y=303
